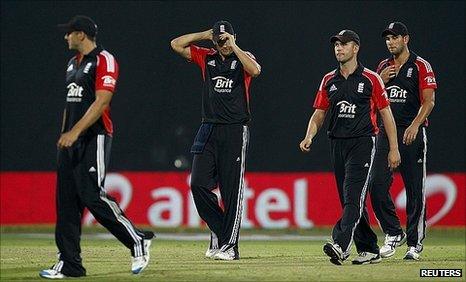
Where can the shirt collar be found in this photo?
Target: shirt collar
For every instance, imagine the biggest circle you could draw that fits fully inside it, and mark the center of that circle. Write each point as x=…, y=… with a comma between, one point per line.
x=358, y=71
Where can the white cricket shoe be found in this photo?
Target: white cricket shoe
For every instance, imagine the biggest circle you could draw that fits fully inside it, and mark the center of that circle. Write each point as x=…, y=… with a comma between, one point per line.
x=390, y=244
x=139, y=263
x=412, y=254
x=227, y=252
x=51, y=274
x=336, y=254
x=366, y=257
x=210, y=253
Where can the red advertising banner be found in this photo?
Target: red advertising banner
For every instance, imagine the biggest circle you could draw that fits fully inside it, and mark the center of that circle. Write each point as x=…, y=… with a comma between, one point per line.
x=272, y=200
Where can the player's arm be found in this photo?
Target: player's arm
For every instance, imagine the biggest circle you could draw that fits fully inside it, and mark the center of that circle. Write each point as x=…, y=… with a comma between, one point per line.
x=102, y=101
x=249, y=64
x=181, y=44
x=315, y=123
x=394, y=158
x=427, y=105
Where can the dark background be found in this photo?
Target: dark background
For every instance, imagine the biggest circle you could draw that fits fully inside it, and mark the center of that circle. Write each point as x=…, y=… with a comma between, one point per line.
x=156, y=109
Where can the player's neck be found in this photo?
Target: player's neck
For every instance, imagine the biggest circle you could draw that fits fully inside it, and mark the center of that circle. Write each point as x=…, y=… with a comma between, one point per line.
x=86, y=47
x=401, y=58
x=348, y=67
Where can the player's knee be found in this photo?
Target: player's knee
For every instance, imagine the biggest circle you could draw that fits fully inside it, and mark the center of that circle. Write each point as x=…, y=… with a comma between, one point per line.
x=198, y=184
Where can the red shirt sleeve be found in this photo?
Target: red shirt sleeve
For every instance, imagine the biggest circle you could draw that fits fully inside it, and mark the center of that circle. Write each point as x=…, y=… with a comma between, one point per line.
x=426, y=75
x=321, y=101
x=379, y=95
x=198, y=55
x=250, y=55
x=106, y=72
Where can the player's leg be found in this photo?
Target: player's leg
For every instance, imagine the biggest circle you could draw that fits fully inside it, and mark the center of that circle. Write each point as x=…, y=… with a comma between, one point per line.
x=203, y=181
x=381, y=200
x=366, y=242
x=333, y=249
x=90, y=175
x=359, y=156
x=413, y=172
x=68, y=225
x=231, y=167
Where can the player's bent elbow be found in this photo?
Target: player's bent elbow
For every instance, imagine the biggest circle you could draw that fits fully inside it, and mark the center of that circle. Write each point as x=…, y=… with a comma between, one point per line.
x=256, y=72
x=174, y=45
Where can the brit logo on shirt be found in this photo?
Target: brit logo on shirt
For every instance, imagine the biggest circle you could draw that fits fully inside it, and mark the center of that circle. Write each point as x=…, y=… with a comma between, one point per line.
x=361, y=87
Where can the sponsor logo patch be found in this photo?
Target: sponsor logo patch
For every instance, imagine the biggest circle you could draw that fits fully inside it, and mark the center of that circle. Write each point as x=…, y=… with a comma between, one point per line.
x=397, y=94
x=430, y=79
x=222, y=84
x=108, y=81
x=347, y=110
x=75, y=93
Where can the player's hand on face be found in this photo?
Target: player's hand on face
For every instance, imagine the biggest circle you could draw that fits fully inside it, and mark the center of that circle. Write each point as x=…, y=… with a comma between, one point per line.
x=305, y=145
x=394, y=159
x=388, y=73
x=229, y=38
x=410, y=134
x=67, y=139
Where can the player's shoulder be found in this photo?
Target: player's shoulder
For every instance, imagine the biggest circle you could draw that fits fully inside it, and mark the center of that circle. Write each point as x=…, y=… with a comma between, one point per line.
x=329, y=74
x=422, y=63
x=106, y=58
x=369, y=72
x=326, y=78
x=204, y=50
x=103, y=53
x=383, y=63
x=72, y=60
x=372, y=76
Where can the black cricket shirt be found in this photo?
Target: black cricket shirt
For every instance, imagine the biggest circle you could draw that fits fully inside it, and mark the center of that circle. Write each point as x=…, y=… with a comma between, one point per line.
x=405, y=89
x=352, y=103
x=86, y=74
x=225, y=93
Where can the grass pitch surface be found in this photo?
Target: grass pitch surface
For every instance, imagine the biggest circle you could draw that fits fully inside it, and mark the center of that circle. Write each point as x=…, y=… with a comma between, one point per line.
x=22, y=258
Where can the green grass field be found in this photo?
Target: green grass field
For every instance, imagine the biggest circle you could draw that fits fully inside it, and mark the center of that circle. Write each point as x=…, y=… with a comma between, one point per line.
x=106, y=260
